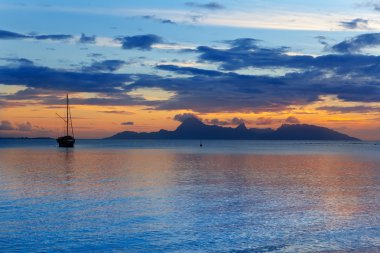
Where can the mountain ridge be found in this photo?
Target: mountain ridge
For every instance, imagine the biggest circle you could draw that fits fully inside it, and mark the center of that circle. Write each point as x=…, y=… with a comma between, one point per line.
x=194, y=128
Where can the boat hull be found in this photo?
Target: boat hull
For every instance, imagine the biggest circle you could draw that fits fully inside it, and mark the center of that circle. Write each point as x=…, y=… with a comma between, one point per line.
x=66, y=142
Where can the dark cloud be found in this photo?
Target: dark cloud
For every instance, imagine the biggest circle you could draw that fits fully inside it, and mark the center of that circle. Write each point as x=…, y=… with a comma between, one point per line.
x=87, y=39
x=95, y=55
x=229, y=92
x=117, y=112
x=356, y=44
x=167, y=21
x=160, y=20
x=141, y=42
x=349, y=77
x=228, y=122
x=129, y=123
x=105, y=66
x=57, y=37
x=209, y=6
x=264, y=121
x=18, y=61
x=372, y=4
x=196, y=18
x=322, y=41
x=350, y=109
x=6, y=35
x=184, y=116
x=25, y=127
x=226, y=93
x=237, y=121
x=217, y=122
x=55, y=79
x=52, y=37
x=24, y=61
x=111, y=100
x=245, y=53
x=357, y=23
x=217, y=92
x=189, y=70
x=33, y=96
x=292, y=120
x=243, y=43
x=6, y=125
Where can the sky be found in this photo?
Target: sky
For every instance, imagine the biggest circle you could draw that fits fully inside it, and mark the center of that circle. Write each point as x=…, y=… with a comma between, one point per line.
x=144, y=65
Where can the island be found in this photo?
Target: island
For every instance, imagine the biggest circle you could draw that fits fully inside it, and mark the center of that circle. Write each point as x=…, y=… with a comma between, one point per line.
x=194, y=128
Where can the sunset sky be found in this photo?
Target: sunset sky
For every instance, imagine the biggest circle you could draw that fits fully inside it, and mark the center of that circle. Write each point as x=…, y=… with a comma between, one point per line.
x=136, y=65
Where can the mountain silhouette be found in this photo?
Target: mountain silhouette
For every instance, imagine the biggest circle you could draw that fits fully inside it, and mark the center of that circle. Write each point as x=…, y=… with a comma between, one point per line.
x=194, y=128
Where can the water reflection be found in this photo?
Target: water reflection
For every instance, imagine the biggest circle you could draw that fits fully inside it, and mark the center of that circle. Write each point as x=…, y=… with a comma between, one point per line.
x=144, y=199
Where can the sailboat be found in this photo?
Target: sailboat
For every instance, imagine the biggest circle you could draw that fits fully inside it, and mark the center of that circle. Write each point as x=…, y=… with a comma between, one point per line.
x=67, y=141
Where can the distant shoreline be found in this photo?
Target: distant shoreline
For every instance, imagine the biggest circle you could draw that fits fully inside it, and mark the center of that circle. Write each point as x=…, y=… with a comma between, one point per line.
x=184, y=139
x=26, y=138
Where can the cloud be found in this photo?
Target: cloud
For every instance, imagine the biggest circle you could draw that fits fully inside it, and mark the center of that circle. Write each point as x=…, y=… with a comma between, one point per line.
x=229, y=92
x=264, y=121
x=243, y=43
x=129, y=123
x=87, y=39
x=56, y=79
x=217, y=122
x=292, y=120
x=25, y=127
x=141, y=42
x=188, y=70
x=6, y=125
x=349, y=77
x=226, y=93
x=18, y=61
x=372, y=4
x=117, y=112
x=237, y=121
x=350, y=109
x=209, y=6
x=234, y=121
x=322, y=40
x=184, y=116
x=6, y=35
x=217, y=92
x=54, y=97
x=245, y=53
x=357, y=23
x=105, y=66
x=52, y=37
x=161, y=20
x=167, y=21
x=111, y=100
x=95, y=55
x=358, y=43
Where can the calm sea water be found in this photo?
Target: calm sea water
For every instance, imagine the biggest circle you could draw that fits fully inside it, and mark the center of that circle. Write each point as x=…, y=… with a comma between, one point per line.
x=173, y=196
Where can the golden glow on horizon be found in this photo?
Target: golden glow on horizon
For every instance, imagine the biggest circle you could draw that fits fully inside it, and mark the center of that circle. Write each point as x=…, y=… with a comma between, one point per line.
x=101, y=121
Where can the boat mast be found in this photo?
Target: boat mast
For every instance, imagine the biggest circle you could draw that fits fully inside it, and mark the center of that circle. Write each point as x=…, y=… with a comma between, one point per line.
x=67, y=114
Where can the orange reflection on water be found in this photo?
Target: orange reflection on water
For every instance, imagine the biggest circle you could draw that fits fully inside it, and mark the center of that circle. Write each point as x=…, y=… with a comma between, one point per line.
x=335, y=185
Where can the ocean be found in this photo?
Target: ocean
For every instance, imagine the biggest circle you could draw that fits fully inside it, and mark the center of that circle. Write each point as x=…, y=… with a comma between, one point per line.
x=174, y=196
